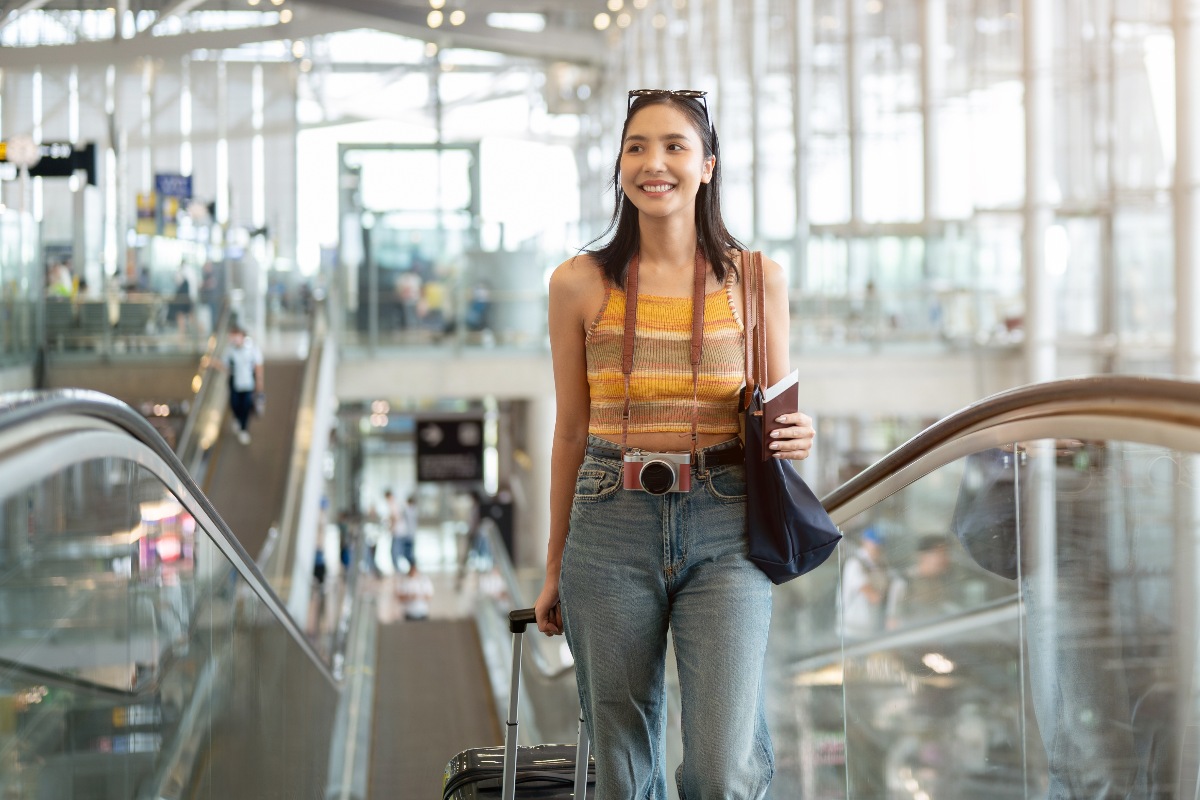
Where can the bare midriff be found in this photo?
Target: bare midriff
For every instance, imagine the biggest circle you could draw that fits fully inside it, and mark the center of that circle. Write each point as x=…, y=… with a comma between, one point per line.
x=669, y=442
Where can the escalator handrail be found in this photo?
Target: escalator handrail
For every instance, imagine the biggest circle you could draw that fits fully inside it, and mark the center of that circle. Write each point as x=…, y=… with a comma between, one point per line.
x=205, y=380
x=1154, y=399
x=18, y=409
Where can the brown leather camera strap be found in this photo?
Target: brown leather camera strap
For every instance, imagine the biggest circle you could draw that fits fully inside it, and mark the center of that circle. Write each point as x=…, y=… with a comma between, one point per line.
x=631, y=295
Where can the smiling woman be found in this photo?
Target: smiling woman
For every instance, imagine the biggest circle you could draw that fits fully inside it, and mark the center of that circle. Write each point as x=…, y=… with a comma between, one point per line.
x=647, y=490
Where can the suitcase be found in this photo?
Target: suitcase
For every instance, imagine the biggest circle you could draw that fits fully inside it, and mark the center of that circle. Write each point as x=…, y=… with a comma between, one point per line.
x=542, y=772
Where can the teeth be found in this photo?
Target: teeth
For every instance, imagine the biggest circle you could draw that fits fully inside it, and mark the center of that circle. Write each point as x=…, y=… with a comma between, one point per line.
x=658, y=188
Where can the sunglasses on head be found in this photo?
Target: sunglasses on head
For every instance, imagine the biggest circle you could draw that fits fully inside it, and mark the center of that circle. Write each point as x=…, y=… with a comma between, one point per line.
x=689, y=94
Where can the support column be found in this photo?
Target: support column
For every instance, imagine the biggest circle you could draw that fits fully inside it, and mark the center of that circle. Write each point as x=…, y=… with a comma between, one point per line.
x=722, y=56
x=1040, y=333
x=756, y=65
x=535, y=532
x=802, y=92
x=1185, y=20
x=854, y=71
x=933, y=84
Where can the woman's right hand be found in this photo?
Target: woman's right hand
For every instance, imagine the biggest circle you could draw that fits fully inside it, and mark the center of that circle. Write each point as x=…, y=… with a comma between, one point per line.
x=548, y=610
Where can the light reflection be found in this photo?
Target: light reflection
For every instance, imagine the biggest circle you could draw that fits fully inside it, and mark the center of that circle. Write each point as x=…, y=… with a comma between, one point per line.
x=938, y=663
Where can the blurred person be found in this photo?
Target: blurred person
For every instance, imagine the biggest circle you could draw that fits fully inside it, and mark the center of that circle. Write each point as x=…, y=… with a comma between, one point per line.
x=179, y=310
x=210, y=295
x=865, y=581
x=244, y=363
x=638, y=563
x=414, y=590
x=316, y=603
x=930, y=588
x=402, y=535
x=408, y=295
x=479, y=308
x=59, y=281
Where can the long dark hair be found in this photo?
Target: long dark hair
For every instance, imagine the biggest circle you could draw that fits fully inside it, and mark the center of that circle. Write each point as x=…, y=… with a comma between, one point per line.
x=713, y=237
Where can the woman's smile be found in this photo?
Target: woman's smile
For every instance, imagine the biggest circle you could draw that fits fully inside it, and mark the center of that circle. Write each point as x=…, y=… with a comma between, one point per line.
x=657, y=187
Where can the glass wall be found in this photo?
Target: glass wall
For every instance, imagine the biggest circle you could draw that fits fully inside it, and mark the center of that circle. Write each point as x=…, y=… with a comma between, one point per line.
x=1016, y=624
x=135, y=661
x=904, y=219
x=20, y=287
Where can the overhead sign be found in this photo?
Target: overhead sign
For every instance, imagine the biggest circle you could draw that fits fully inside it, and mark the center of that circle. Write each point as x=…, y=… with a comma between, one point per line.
x=449, y=449
x=58, y=159
x=169, y=185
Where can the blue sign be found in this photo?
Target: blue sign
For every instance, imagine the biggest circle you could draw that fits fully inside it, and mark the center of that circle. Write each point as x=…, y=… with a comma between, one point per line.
x=168, y=185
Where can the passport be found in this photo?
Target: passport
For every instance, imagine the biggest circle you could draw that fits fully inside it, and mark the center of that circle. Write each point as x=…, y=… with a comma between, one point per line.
x=782, y=398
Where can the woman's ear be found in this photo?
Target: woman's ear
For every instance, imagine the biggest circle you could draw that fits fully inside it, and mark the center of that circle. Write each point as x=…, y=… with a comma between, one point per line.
x=710, y=164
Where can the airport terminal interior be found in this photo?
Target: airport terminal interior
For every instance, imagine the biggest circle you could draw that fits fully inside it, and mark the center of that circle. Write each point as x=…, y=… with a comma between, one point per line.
x=988, y=216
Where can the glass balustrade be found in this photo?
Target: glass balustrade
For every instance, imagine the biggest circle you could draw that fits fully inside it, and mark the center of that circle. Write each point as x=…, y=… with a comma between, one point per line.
x=136, y=660
x=1018, y=623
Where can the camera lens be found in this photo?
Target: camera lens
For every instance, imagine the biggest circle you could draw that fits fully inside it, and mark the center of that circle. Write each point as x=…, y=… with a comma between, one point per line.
x=657, y=477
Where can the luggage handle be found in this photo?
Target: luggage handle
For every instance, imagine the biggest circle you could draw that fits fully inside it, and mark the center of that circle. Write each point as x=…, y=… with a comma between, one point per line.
x=518, y=620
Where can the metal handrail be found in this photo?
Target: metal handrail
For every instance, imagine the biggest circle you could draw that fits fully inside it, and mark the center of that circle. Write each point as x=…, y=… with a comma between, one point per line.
x=1154, y=400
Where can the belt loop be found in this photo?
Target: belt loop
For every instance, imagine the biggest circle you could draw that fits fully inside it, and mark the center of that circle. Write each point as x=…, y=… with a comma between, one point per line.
x=701, y=463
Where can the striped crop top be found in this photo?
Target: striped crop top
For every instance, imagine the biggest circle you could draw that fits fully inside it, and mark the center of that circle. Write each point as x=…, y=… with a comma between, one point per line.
x=660, y=386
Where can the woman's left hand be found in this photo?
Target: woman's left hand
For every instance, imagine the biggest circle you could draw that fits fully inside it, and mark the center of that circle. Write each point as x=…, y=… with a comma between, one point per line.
x=795, y=440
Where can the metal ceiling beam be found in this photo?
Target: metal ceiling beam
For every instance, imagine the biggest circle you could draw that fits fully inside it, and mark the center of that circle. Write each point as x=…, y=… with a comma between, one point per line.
x=16, y=8
x=555, y=43
x=177, y=9
x=315, y=19
x=308, y=21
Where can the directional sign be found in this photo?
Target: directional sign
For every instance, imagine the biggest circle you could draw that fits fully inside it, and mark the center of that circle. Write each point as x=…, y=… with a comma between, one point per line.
x=57, y=159
x=450, y=449
x=170, y=185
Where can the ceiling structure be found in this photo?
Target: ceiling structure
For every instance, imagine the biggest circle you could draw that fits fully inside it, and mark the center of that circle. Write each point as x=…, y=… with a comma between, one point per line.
x=166, y=28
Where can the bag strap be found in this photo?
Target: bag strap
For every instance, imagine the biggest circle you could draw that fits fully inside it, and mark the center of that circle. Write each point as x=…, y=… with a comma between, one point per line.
x=760, y=298
x=756, y=328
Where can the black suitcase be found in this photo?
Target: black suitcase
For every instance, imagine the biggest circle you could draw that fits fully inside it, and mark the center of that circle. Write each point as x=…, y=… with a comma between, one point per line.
x=544, y=772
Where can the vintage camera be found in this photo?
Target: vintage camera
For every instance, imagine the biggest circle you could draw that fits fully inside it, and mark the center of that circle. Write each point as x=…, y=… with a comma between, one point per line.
x=658, y=473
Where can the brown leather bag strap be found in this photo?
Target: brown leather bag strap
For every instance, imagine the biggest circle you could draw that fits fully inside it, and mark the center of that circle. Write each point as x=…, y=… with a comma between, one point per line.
x=756, y=324
x=748, y=327
x=760, y=297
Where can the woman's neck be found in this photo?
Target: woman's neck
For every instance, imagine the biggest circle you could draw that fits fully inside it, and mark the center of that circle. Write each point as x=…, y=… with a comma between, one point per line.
x=666, y=245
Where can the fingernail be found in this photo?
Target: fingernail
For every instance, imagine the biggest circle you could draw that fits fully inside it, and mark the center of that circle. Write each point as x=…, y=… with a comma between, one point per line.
x=781, y=419
x=774, y=445
x=774, y=434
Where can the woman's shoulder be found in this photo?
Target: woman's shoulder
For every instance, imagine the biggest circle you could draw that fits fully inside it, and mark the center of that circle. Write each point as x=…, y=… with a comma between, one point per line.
x=772, y=271
x=580, y=275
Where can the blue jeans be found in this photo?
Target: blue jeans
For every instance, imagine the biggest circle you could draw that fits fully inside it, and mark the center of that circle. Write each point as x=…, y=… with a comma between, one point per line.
x=403, y=548
x=636, y=564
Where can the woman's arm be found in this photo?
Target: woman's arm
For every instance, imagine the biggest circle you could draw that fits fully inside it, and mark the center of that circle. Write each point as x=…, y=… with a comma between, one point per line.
x=568, y=295
x=795, y=441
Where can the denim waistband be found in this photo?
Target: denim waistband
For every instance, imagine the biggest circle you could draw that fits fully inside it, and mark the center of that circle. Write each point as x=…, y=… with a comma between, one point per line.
x=729, y=452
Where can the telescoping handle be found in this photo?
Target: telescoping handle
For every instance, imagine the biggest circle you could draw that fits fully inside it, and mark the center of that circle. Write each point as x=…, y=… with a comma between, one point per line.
x=518, y=620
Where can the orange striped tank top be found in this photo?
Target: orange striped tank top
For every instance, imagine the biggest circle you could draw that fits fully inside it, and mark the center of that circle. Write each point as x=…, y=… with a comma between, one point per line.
x=660, y=386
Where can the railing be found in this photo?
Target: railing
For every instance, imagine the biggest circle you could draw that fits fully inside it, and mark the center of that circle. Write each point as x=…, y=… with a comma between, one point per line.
x=948, y=680
x=143, y=653
x=1026, y=623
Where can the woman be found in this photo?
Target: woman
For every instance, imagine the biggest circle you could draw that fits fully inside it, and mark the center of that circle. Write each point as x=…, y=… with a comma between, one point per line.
x=638, y=562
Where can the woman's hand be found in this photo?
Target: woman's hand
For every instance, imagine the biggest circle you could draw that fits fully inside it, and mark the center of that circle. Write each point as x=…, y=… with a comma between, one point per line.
x=547, y=609
x=795, y=441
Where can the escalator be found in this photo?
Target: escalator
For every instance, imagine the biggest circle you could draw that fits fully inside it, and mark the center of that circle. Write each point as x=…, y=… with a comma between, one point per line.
x=142, y=653
x=1069, y=670
x=248, y=483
